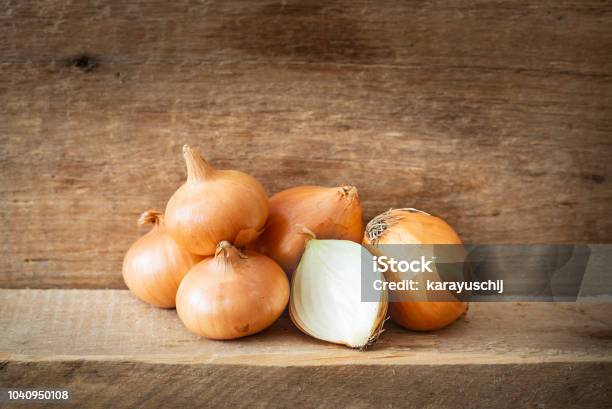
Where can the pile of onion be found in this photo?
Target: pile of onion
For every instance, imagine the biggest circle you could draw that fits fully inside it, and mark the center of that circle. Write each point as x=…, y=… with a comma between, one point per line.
x=233, y=294
x=329, y=213
x=155, y=264
x=411, y=226
x=194, y=258
x=229, y=294
x=215, y=205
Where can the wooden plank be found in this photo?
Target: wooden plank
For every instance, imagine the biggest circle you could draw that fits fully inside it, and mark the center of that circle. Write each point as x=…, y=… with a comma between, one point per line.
x=111, y=349
x=434, y=106
x=523, y=158
x=134, y=384
x=112, y=325
x=548, y=35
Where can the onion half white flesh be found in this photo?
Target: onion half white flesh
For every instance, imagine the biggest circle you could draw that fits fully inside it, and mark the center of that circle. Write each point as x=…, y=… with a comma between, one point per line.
x=325, y=300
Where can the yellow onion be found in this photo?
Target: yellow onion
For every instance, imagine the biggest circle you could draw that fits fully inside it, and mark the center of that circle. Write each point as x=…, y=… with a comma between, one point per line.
x=232, y=294
x=411, y=226
x=215, y=205
x=329, y=213
x=155, y=264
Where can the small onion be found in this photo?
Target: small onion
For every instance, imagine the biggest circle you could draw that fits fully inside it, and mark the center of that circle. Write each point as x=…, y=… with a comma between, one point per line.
x=411, y=226
x=215, y=205
x=232, y=294
x=155, y=264
x=326, y=295
x=330, y=213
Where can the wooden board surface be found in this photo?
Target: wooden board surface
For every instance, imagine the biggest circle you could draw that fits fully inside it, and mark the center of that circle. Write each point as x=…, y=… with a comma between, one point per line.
x=494, y=115
x=111, y=349
x=113, y=325
x=124, y=384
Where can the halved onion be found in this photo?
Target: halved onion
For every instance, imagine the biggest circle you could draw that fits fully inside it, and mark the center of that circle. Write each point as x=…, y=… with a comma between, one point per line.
x=325, y=300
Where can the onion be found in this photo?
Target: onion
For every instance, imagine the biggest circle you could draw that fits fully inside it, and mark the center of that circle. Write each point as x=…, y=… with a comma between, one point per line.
x=232, y=294
x=330, y=213
x=155, y=264
x=411, y=226
x=215, y=205
x=326, y=295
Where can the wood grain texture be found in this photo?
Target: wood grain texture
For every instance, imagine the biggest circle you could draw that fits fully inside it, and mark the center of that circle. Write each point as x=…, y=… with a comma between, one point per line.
x=102, y=384
x=113, y=325
x=494, y=115
x=111, y=349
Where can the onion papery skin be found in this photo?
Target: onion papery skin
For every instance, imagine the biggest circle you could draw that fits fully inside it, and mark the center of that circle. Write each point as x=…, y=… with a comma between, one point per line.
x=155, y=264
x=215, y=205
x=411, y=226
x=426, y=315
x=329, y=213
x=232, y=294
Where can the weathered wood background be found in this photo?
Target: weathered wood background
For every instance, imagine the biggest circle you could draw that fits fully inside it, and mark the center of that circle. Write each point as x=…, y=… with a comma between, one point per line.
x=496, y=115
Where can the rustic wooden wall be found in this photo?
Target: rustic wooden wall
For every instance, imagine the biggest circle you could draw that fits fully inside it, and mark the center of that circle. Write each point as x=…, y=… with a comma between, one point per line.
x=496, y=115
